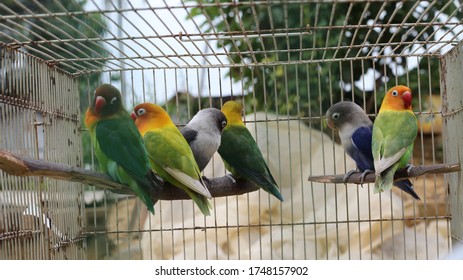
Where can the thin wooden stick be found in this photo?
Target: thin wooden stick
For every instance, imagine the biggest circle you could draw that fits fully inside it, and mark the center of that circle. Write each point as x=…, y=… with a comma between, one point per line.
x=415, y=171
x=25, y=166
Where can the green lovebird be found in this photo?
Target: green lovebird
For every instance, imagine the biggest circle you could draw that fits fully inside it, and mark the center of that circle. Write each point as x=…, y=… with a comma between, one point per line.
x=169, y=153
x=394, y=132
x=240, y=152
x=118, y=144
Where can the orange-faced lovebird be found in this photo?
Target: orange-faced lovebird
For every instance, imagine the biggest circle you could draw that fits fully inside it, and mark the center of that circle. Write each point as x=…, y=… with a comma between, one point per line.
x=394, y=132
x=240, y=152
x=169, y=153
x=203, y=134
x=355, y=131
x=118, y=144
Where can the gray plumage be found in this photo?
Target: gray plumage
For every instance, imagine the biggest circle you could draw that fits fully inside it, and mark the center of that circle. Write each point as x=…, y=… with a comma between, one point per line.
x=347, y=117
x=203, y=133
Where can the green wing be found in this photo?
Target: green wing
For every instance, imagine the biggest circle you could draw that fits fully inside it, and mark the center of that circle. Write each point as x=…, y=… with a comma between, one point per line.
x=121, y=142
x=169, y=148
x=122, y=155
x=393, y=135
x=173, y=157
x=173, y=160
x=242, y=157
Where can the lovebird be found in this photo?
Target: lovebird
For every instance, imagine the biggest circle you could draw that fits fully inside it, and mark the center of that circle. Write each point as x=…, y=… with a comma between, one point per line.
x=394, y=132
x=203, y=134
x=355, y=131
x=169, y=153
x=118, y=144
x=240, y=152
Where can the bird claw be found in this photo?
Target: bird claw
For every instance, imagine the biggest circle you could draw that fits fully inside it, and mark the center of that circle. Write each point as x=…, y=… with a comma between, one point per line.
x=347, y=175
x=364, y=174
x=206, y=180
x=231, y=178
x=156, y=179
x=362, y=177
x=409, y=168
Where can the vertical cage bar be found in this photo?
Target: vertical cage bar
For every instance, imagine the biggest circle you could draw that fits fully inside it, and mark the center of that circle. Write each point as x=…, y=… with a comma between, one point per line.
x=41, y=218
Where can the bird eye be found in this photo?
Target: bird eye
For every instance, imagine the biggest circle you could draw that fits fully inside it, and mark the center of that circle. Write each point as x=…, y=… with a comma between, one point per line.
x=395, y=93
x=335, y=116
x=113, y=100
x=224, y=124
x=141, y=111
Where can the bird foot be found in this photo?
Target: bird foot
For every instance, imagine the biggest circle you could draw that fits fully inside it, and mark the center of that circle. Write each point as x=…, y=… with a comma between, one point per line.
x=347, y=175
x=156, y=179
x=409, y=168
x=362, y=177
x=206, y=180
x=231, y=178
x=364, y=174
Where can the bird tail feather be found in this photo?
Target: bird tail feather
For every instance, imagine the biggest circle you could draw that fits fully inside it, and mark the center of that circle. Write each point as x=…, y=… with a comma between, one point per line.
x=406, y=186
x=384, y=181
x=144, y=195
x=201, y=201
x=273, y=189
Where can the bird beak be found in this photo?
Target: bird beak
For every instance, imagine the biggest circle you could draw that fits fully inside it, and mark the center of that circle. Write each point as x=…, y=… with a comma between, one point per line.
x=407, y=98
x=100, y=102
x=330, y=124
x=133, y=116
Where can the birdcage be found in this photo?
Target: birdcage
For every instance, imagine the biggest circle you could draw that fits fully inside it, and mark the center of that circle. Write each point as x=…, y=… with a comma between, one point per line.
x=287, y=62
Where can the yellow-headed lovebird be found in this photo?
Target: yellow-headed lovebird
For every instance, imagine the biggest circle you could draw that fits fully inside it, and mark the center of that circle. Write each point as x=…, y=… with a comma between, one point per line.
x=118, y=144
x=240, y=152
x=169, y=153
x=203, y=134
x=394, y=132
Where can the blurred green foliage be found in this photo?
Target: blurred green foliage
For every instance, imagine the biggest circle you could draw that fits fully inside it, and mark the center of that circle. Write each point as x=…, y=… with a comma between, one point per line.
x=313, y=64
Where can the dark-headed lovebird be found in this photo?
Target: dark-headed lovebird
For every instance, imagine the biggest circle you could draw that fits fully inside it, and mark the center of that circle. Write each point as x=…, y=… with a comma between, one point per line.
x=118, y=144
x=355, y=131
x=170, y=155
x=240, y=152
x=394, y=133
x=203, y=134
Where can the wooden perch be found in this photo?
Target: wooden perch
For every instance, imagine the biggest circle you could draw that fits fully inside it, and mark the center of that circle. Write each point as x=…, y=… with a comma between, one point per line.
x=415, y=171
x=25, y=166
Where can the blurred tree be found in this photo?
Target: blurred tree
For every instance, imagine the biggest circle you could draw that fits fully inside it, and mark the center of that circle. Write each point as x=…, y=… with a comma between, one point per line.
x=311, y=48
x=44, y=26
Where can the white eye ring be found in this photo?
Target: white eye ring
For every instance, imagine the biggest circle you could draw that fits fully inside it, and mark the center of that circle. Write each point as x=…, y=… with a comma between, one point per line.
x=224, y=124
x=113, y=100
x=141, y=111
x=395, y=93
x=335, y=116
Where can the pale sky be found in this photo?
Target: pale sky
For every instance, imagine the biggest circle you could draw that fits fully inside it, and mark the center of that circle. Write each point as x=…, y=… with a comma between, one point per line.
x=167, y=82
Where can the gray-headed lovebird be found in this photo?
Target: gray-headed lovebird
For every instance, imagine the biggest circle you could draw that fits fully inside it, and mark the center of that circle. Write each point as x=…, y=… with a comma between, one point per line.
x=355, y=131
x=203, y=134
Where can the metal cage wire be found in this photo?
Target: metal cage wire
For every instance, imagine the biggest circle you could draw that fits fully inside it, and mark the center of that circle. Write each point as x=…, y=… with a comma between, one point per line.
x=41, y=218
x=189, y=55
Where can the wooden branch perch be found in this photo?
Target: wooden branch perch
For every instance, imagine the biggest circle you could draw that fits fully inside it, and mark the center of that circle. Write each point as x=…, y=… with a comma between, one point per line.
x=25, y=166
x=415, y=171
